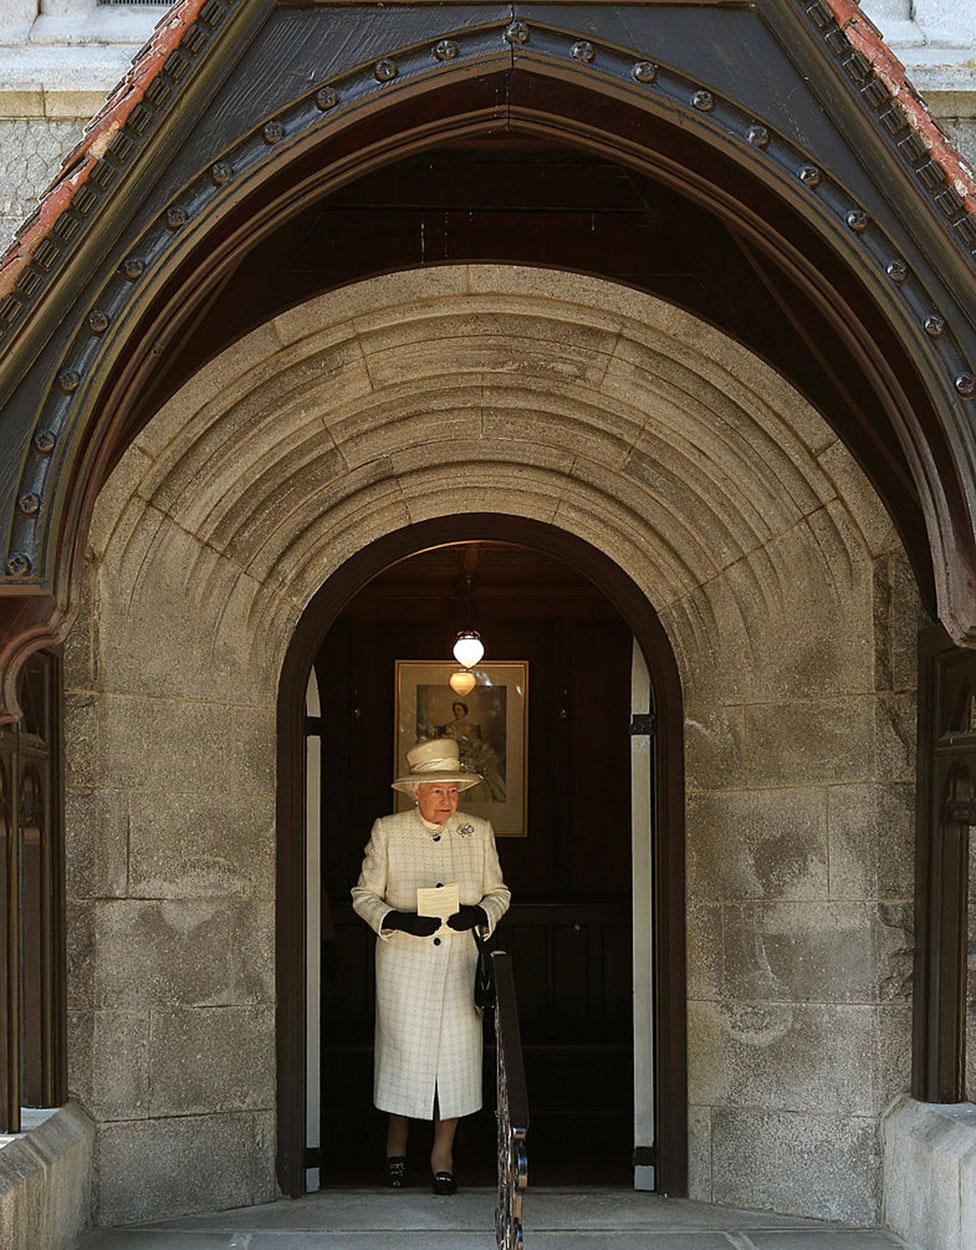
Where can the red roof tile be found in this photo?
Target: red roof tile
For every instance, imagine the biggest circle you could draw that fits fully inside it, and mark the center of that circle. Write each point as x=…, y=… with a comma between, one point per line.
x=867, y=39
x=98, y=134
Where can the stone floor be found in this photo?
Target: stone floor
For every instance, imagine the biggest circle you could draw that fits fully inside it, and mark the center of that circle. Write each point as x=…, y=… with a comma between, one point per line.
x=413, y=1220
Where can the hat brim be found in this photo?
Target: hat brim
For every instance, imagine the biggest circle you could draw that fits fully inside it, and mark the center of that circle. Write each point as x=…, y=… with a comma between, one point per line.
x=463, y=781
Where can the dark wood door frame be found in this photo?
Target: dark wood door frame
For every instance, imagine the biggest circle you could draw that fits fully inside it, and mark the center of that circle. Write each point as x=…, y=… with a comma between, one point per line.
x=945, y=809
x=33, y=988
x=668, y=910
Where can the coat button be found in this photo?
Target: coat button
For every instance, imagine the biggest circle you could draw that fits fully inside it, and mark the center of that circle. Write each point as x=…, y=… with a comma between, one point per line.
x=440, y=885
x=436, y=837
x=437, y=941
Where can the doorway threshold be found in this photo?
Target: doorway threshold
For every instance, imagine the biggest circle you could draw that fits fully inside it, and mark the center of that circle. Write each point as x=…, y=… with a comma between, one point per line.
x=577, y=1219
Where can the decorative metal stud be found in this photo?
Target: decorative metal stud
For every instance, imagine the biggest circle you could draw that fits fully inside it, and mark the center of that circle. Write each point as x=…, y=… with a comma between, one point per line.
x=385, y=70
x=896, y=270
x=133, y=267
x=517, y=32
x=758, y=136
x=30, y=504
x=97, y=321
x=220, y=172
x=446, y=50
x=809, y=175
x=272, y=132
x=704, y=101
x=18, y=565
x=857, y=219
x=176, y=217
x=966, y=385
x=644, y=71
x=582, y=50
x=326, y=98
x=934, y=325
x=44, y=441
x=69, y=380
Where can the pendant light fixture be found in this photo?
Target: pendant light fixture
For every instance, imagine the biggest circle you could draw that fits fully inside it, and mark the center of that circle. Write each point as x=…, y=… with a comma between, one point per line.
x=463, y=682
x=469, y=648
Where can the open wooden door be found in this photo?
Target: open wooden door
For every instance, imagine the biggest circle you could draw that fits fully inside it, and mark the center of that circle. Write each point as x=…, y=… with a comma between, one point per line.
x=642, y=859
x=313, y=932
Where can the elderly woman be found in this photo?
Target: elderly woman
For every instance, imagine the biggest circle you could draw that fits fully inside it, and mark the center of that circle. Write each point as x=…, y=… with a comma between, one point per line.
x=427, y=1062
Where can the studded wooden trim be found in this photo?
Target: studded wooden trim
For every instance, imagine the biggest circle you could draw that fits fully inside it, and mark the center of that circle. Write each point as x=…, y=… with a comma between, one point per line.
x=339, y=100
x=902, y=115
x=113, y=138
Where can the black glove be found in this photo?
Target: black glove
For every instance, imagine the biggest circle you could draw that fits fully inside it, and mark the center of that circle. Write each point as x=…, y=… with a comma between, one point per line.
x=467, y=918
x=410, y=922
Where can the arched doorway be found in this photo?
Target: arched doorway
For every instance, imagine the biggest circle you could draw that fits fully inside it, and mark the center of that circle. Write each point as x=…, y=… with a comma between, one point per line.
x=551, y=733
x=657, y=916
x=611, y=420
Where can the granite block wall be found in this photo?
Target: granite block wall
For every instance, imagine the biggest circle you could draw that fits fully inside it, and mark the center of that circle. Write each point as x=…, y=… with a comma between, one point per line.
x=45, y=1180
x=31, y=151
x=800, y=886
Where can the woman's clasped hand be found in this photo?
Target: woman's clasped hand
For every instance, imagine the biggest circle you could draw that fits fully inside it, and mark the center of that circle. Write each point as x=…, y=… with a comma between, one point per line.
x=424, y=926
x=468, y=918
x=410, y=922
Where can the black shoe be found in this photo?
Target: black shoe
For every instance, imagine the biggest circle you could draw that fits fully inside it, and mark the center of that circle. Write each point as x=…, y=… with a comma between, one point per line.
x=443, y=1183
x=396, y=1171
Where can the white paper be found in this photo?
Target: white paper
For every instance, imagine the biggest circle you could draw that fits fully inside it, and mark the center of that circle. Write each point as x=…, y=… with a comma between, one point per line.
x=441, y=901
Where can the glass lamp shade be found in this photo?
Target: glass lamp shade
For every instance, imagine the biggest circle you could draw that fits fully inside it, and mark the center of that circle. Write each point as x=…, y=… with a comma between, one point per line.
x=469, y=648
x=463, y=682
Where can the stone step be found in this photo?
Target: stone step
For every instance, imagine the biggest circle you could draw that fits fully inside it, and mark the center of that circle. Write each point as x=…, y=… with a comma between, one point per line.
x=415, y=1220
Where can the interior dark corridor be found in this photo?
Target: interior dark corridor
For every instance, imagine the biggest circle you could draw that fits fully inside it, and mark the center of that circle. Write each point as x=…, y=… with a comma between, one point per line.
x=569, y=926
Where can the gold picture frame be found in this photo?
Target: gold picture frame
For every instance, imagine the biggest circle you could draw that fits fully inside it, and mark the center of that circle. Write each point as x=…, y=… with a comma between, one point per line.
x=490, y=725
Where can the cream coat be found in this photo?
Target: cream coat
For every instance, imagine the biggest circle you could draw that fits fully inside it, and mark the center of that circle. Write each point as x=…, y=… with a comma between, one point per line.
x=428, y=1030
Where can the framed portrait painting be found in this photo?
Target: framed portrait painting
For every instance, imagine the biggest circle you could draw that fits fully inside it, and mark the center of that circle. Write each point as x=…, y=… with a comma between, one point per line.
x=489, y=726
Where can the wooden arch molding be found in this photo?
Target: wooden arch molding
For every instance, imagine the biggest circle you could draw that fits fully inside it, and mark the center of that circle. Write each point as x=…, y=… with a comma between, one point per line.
x=765, y=113
x=668, y=904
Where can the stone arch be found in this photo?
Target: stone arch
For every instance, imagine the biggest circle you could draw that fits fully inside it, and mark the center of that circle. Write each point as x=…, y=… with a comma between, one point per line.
x=542, y=412
x=720, y=492
x=825, y=227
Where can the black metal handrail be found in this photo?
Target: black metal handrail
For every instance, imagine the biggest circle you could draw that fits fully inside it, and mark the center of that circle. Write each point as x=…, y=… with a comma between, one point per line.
x=513, y=1108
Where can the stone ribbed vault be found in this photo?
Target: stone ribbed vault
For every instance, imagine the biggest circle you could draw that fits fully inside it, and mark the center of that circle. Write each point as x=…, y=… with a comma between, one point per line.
x=773, y=567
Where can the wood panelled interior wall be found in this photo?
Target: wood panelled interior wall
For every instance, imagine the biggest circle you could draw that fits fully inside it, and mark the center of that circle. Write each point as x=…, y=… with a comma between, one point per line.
x=569, y=925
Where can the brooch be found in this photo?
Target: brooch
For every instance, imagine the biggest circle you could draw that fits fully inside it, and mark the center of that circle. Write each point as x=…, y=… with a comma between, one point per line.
x=465, y=831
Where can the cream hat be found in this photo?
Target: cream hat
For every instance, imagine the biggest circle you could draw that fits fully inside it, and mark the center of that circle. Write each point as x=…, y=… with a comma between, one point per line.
x=436, y=760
